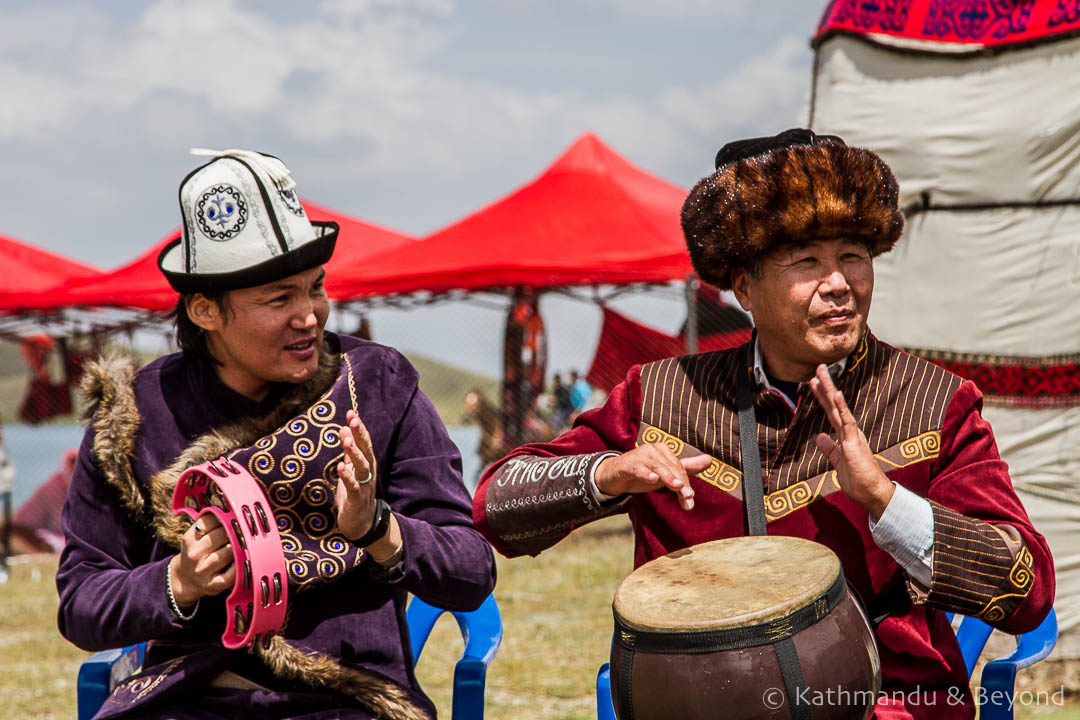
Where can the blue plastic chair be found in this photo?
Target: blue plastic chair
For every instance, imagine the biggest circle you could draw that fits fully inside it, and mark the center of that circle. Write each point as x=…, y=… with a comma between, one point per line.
x=103, y=671
x=481, y=630
x=998, y=676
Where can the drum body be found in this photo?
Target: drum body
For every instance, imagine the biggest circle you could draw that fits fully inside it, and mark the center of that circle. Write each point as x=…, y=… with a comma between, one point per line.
x=700, y=633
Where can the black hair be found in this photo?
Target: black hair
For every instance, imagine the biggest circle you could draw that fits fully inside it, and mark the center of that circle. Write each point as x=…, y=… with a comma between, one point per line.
x=190, y=338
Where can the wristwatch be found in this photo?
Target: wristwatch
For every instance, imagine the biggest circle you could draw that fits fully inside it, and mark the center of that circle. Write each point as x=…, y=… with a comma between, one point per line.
x=379, y=525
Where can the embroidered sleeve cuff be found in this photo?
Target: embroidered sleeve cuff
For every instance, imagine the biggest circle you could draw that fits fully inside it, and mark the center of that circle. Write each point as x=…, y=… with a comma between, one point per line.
x=980, y=569
x=533, y=502
x=906, y=531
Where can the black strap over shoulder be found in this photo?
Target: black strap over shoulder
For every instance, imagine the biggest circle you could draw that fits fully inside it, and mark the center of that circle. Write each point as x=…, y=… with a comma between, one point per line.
x=754, y=502
x=753, y=484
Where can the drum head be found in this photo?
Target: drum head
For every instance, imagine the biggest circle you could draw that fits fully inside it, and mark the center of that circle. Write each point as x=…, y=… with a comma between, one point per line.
x=726, y=584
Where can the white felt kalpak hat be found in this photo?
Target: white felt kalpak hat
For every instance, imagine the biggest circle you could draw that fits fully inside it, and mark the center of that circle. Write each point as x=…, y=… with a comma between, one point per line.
x=242, y=226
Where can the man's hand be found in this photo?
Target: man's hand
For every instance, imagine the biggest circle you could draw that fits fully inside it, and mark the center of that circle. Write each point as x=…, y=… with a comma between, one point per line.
x=857, y=470
x=647, y=468
x=204, y=565
x=355, y=497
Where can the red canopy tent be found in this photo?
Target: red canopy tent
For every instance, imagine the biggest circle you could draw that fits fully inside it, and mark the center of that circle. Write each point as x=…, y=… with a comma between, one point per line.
x=25, y=268
x=140, y=284
x=591, y=218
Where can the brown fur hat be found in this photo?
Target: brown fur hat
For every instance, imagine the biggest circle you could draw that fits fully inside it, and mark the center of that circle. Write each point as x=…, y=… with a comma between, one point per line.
x=792, y=188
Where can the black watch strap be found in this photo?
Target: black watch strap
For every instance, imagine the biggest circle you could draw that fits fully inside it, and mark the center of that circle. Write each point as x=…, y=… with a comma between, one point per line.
x=379, y=525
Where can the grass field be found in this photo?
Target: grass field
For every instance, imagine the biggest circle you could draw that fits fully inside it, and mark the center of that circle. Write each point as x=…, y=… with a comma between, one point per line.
x=556, y=613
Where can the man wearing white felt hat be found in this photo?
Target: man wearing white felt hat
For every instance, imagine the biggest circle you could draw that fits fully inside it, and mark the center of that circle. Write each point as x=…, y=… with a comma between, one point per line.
x=363, y=481
x=243, y=226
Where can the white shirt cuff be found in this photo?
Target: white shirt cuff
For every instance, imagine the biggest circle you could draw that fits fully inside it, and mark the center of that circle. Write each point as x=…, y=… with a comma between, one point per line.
x=600, y=496
x=906, y=531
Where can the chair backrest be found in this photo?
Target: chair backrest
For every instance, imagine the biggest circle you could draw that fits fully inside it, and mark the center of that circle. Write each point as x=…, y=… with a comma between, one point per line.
x=481, y=630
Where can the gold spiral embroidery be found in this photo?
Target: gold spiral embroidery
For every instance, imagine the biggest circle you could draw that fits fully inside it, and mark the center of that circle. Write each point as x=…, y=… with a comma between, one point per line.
x=289, y=543
x=778, y=504
x=282, y=495
x=329, y=471
x=656, y=435
x=143, y=685
x=305, y=448
x=318, y=493
x=298, y=569
x=330, y=437
x=292, y=467
x=297, y=427
x=330, y=567
x=261, y=463
x=788, y=500
x=335, y=544
x=1021, y=574
x=322, y=411
x=910, y=449
x=316, y=525
x=921, y=447
x=722, y=476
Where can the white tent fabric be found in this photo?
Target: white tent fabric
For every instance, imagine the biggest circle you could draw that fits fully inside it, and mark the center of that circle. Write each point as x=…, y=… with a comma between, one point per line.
x=1000, y=282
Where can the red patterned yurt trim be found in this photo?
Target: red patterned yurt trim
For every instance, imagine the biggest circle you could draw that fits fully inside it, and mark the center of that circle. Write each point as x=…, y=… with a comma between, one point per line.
x=952, y=24
x=1051, y=381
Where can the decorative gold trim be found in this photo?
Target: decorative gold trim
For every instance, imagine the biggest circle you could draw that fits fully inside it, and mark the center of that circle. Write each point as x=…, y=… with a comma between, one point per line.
x=719, y=474
x=796, y=496
x=861, y=351
x=1020, y=580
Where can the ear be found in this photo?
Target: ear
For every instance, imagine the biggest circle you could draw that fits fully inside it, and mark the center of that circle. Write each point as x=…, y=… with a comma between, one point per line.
x=740, y=285
x=204, y=312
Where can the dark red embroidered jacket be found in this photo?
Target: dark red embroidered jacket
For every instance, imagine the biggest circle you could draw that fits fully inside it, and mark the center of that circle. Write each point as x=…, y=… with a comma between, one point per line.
x=925, y=427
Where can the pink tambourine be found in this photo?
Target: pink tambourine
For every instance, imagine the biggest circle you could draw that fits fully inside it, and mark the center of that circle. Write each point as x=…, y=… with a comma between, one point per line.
x=255, y=609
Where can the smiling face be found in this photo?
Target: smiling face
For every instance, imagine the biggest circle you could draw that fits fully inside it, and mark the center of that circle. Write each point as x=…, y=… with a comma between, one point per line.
x=270, y=333
x=809, y=303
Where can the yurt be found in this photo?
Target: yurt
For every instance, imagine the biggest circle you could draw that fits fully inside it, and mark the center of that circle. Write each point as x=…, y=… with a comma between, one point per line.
x=976, y=106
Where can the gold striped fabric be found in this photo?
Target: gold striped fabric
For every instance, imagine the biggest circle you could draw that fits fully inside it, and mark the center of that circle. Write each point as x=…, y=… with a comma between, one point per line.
x=898, y=401
x=978, y=570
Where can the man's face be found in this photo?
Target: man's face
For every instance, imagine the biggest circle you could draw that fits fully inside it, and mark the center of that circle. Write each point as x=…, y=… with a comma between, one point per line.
x=270, y=333
x=809, y=304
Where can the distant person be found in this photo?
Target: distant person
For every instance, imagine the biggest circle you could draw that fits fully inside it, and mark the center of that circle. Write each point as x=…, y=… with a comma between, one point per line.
x=580, y=391
x=563, y=407
x=7, y=483
x=363, y=480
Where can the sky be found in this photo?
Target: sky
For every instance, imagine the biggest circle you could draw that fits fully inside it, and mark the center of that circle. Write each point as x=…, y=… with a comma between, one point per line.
x=406, y=113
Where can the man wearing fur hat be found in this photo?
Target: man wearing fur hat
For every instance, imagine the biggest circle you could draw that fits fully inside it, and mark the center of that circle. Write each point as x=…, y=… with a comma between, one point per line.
x=363, y=480
x=879, y=455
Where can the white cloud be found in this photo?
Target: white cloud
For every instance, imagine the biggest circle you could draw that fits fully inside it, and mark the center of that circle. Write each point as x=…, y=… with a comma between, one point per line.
x=765, y=90
x=355, y=95
x=35, y=104
x=679, y=9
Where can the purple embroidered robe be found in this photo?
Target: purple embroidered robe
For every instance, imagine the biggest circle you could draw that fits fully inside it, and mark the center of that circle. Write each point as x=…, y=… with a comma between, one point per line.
x=111, y=577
